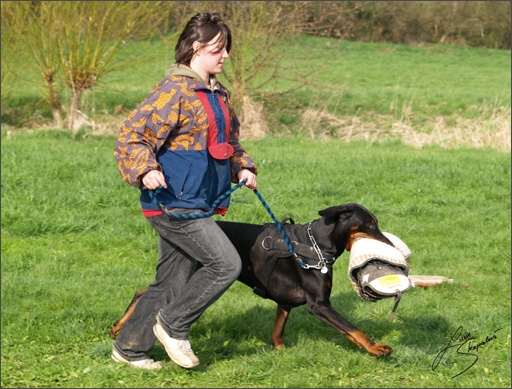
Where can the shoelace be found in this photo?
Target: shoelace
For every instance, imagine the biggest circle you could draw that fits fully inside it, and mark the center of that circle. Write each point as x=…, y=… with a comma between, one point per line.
x=186, y=346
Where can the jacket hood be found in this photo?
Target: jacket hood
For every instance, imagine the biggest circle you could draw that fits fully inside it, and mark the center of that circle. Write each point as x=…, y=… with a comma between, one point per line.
x=181, y=70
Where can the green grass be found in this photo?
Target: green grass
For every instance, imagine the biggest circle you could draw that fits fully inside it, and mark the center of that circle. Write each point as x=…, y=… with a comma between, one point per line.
x=350, y=79
x=75, y=248
x=369, y=79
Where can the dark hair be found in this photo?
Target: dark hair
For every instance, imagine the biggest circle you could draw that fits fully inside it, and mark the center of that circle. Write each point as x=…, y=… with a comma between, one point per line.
x=202, y=27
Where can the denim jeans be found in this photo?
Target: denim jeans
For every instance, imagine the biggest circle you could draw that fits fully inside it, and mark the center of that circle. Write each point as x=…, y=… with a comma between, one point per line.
x=180, y=294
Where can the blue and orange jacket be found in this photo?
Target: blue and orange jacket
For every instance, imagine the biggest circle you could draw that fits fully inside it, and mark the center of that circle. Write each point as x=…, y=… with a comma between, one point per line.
x=190, y=133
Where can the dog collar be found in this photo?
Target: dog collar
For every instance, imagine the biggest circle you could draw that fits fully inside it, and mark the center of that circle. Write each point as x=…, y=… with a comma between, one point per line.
x=322, y=263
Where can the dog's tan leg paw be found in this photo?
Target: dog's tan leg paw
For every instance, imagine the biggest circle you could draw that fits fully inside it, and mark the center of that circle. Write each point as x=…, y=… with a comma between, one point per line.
x=380, y=350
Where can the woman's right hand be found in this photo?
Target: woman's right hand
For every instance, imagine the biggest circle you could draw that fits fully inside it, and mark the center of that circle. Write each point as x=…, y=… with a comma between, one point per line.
x=153, y=179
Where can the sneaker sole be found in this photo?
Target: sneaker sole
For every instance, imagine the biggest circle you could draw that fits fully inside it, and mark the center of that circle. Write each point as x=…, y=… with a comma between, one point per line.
x=118, y=358
x=161, y=337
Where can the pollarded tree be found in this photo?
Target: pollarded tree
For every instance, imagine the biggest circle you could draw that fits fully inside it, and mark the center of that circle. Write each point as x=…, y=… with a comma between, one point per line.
x=260, y=31
x=27, y=25
x=77, y=41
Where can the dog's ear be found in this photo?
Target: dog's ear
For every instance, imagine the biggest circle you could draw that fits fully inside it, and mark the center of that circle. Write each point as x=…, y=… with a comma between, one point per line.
x=337, y=211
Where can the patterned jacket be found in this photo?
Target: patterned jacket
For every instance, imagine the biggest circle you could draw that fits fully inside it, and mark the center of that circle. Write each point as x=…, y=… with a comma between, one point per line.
x=191, y=134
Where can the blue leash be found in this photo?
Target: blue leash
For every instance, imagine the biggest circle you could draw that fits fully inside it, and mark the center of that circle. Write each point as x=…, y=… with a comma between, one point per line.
x=175, y=216
x=280, y=229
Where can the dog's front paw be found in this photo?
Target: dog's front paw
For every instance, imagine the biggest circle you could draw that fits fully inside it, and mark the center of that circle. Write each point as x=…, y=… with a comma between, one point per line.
x=380, y=350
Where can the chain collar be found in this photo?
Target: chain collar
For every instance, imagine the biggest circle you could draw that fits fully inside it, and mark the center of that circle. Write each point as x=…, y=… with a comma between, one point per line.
x=322, y=263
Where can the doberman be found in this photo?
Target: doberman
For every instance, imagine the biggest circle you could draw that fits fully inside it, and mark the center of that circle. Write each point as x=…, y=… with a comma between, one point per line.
x=285, y=280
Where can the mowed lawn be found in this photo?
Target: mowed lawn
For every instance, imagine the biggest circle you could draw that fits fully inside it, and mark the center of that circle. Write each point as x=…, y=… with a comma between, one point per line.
x=75, y=248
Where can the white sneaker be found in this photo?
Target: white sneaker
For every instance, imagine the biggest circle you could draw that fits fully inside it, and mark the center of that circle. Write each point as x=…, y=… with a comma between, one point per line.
x=147, y=363
x=179, y=351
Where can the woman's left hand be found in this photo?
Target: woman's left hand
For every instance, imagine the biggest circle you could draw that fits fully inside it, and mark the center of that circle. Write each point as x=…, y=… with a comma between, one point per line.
x=246, y=174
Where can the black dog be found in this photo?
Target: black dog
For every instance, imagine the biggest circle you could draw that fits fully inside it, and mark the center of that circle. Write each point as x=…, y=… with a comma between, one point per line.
x=270, y=268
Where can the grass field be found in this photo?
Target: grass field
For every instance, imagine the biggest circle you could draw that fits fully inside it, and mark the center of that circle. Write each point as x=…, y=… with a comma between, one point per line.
x=75, y=247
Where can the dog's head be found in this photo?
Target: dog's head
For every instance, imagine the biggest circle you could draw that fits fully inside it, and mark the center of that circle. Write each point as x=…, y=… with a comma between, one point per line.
x=353, y=221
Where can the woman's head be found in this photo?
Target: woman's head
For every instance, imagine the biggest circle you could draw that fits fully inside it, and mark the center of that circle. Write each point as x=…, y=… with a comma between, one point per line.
x=202, y=28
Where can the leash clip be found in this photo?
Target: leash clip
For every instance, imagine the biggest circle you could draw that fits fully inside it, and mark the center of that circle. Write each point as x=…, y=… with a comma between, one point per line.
x=322, y=266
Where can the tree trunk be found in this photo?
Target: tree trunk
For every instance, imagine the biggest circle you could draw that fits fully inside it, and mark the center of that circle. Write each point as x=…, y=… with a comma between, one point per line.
x=54, y=102
x=73, y=107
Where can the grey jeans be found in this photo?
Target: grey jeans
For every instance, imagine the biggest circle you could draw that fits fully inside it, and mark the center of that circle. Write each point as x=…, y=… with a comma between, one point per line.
x=180, y=294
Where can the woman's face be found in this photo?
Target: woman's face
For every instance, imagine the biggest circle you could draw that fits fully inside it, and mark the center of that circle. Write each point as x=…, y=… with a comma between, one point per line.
x=210, y=56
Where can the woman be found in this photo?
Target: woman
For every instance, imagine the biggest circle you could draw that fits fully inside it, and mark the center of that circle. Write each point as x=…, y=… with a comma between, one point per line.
x=184, y=138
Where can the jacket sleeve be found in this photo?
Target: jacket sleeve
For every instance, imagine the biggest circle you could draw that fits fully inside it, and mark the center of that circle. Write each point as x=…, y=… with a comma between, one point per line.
x=141, y=136
x=240, y=158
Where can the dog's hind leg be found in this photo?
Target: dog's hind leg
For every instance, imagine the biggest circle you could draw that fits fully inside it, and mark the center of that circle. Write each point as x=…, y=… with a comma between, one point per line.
x=282, y=313
x=116, y=328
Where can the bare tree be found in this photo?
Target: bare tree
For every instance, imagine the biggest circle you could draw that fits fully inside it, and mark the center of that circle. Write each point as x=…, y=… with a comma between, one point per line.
x=78, y=41
x=8, y=51
x=259, y=28
x=258, y=66
x=30, y=24
x=92, y=34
